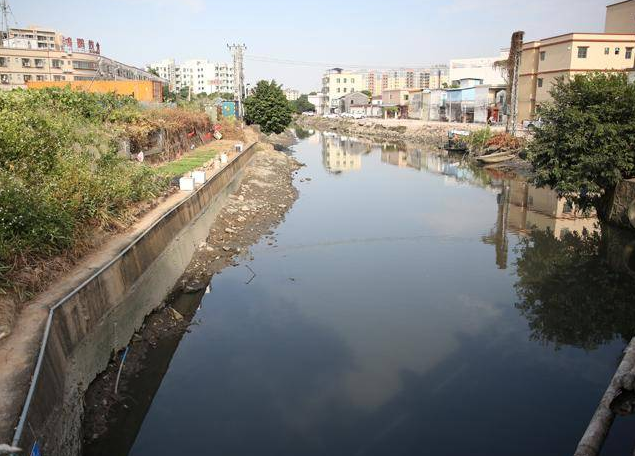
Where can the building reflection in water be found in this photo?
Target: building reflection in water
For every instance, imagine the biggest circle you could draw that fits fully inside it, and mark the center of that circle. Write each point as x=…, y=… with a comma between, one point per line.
x=523, y=208
x=342, y=153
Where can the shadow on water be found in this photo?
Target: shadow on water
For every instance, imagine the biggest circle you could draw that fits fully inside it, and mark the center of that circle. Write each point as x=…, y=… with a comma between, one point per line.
x=132, y=410
x=398, y=340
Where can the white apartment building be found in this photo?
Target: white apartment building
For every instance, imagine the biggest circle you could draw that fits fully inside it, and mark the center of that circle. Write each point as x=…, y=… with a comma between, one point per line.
x=200, y=75
x=167, y=70
x=291, y=94
x=478, y=68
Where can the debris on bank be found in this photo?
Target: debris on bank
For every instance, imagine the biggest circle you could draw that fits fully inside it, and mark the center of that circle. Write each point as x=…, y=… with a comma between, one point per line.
x=265, y=195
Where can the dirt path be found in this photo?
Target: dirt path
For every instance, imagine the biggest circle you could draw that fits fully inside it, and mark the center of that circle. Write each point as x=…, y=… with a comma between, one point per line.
x=265, y=195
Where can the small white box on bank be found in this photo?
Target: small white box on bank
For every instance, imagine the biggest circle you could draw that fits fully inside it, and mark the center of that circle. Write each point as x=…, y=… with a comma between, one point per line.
x=199, y=177
x=186, y=184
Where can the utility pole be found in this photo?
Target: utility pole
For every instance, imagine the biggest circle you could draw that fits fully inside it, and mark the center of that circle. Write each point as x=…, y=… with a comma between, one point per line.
x=5, y=10
x=239, y=76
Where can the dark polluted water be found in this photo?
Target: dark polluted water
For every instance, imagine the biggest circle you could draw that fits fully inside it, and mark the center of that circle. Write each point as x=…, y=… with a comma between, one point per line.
x=410, y=305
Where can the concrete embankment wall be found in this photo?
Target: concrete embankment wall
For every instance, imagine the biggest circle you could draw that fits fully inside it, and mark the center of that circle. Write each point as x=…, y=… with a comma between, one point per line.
x=104, y=312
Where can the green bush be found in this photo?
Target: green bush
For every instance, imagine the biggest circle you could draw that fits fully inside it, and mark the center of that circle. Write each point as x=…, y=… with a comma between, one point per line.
x=60, y=174
x=478, y=139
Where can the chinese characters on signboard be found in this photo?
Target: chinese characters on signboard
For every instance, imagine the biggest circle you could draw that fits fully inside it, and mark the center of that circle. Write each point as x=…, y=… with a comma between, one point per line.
x=93, y=46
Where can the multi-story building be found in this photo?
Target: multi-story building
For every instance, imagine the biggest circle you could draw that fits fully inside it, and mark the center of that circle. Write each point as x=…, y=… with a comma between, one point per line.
x=320, y=101
x=565, y=56
x=166, y=69
x=337, y=82
x=620, y=17
x=21, y=65
x=32, y=37
x=202, y=76
x=575, y=53
x=478, y=68
x=291, y=94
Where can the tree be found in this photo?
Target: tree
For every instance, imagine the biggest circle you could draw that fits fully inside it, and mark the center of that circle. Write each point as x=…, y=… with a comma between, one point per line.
x=368, y=93
x=268, y=107
x=153, y=71
x=167, y=95
x=302, y=104
x=570, y=291
x=184, y=92
x=586, y=144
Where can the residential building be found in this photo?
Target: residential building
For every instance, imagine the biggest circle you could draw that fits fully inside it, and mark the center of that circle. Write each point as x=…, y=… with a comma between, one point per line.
x=21, y=65
x=319, y=100
x=167, y=70
x=438, y=99
x=479, y=68
x=419, y=107
x=353, y=99
x=460, y=103
x=565, y=56
x=395, y=102
x=32, y=37
x=489, y=103
x=291, y=94
x=620, y=17
x=203, y=76
x=337, y=82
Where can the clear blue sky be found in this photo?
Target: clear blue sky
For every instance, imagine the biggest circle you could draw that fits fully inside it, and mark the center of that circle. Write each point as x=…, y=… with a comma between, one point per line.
x=371, y=32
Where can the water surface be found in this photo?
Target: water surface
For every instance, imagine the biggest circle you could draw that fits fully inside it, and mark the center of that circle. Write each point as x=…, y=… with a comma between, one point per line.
x=410, y=305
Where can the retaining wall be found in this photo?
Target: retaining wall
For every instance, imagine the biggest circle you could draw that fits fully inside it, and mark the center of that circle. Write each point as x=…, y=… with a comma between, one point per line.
x=103, y=313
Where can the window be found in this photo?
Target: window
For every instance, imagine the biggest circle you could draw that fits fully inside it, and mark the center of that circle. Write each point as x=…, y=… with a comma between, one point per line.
x=4, y=78
x=26, y=63
x=84, y=65
x=607, y=51
x=27, y=77
x=617, y=51
x=39, y=63
x=3, y=61
x=344, y=80
x=583, y=51
x=629, y=53
x=337, y=80
x=543, y=54
x=338, y=90
x=57, y=77
x=540, y=82
x=352, y=80
x=405, y=97
x=344, y=89
x=55, y=63
x=40, y=77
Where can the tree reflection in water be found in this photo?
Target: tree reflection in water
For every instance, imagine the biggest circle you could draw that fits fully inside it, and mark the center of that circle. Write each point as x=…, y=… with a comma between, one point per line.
x=576, y=290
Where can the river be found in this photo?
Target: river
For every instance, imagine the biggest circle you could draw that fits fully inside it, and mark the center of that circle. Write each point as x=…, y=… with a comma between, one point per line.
x=409, y=304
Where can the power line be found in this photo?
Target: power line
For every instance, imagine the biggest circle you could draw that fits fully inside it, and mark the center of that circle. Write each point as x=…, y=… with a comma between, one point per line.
x=291, y=62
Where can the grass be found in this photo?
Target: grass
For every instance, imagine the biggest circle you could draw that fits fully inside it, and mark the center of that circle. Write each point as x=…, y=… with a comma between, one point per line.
x=192, y=160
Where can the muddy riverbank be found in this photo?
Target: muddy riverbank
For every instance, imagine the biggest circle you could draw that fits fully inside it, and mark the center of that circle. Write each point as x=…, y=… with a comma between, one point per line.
x=260, y=203
x=417, y=131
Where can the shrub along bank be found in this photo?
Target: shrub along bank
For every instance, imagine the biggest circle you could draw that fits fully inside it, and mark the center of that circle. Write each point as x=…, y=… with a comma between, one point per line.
x=62, y=179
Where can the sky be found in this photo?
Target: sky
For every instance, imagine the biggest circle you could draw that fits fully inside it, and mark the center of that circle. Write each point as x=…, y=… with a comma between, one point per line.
x=293, y=42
